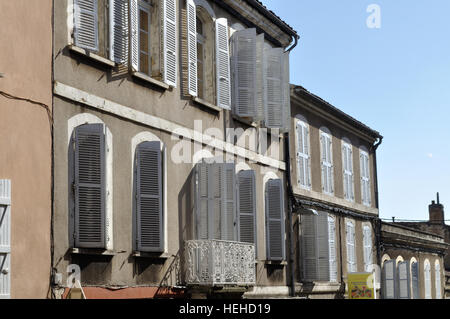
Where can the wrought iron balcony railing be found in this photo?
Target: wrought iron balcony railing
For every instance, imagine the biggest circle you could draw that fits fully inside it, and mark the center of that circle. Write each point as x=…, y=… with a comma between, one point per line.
x=219, y=263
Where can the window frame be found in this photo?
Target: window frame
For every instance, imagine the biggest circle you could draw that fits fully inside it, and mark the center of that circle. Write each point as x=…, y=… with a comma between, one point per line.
x=347, y=150
x=325, y=133
x=300, y=154
x=365, y=176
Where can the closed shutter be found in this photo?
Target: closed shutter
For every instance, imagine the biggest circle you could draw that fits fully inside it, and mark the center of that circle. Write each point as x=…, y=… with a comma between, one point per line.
x=327, y=163
x=427, y=277
x=415, y=280
x=309, y=247
x=247, y=206
x=118, y=30
x=203, y=201
x=323, y=247
x=438, y=281
x=351, y=253
x=389, y=285
x=86, y=24
x=170, y=42
x=303, y=158
x=244, y=59
x=274, y=99
x=332, y=248
x=134, y=27
x=89, y=186
x=260, y=79
x=347, y=156
x=368, y=252
x=149, y=197
x=365, y=178
x=404, y=280
x=192, y=47
x=223, y=64
x=286, y=89
x=5, y=239
x=229, y=226
x=275, y=220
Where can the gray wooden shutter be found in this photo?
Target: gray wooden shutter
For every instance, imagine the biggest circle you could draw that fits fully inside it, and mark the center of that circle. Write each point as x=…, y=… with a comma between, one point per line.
x=192, y=47
x=389, y=282
x=149, y=195
x=309, y=247
x=223, y=64
x=90, y=186
x=275, y=220
x=404, y=280
x=170, y=42
x=244, y=58
x=286, y=89
x=229, y=218
x=247, y=206
x=323, y=247
x=415, y=280
x=203, y=202
x=332, y=248
x=118, y=30
x=260, y=79
x=5, y=239
x=134, y=41
x=274, y=98
x=86, y=24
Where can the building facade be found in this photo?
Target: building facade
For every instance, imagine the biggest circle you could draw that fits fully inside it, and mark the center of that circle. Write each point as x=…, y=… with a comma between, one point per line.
x=25, y=148
x=334, y=182
x=148, y=95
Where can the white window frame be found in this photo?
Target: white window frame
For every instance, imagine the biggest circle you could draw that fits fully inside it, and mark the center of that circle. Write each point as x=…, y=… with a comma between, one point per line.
x=300, y=121
x=365, y=176
x=347, y=150
x=145, y=6
x=326, y=134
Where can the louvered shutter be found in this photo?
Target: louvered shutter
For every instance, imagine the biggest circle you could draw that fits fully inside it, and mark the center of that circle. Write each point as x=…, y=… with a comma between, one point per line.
x=303, y=166
x=389, y=282
x=427, y=276
x=5, y=239
x=351, y=253
x=247, y=206
x=309, y=247
x=203, y=201
x=347, y=171
x=275, y=220
x=223, y=64
x=86, y=24
x=286, y=89
x=332, y=248
x=118, y=30
x=192, y=47
x=170, y=42
x=149, y=197
x=404, y=280
x=134, y=27
x=327, y=164
x=323, y=247
x=260, y=79
x=89, y=186
x=415, y=280
x=274, y=95
x=229, y=229
x=244, y=59
x=438, y=281
x=367, y=240
x=365, y=178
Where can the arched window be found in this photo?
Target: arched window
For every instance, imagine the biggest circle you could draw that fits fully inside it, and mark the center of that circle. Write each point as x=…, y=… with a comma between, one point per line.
x=303, y=152
x=326, y=151
x=437, y=270
x=388, y=279
x=347, y=169
x=415, y=293
x=427, y=279
x=365, y=176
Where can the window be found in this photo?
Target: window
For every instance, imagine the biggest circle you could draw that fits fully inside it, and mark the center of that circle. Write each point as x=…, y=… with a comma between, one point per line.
x=5, y=239
x=148, y=186
x=200, y=59
x=415, y=279
x=404, y=280
x=347, y=167
x=247, y=206
x=351, y=249
x=319, y=247
x=437, y=269
x=427, y=279
x=368, y=251
x=144, y=65
x=326, y=151
x=389, y=279
x=274, y=208
x=365, y=177
x=303, y=154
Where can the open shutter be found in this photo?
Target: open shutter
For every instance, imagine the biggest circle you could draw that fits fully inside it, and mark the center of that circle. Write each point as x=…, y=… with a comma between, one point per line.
x=332, y=248
x=192, y=47
x=118, y=30
x=274, y=117
x=427, y=277
x=367, y=240
x=149, y=197
x=5, y=239
x=303, y=166
x=365, y=178
x=323, y=247
x=327, y=163
x=223, y=64
x=203, y=201
x=247, y=206
x=86, y=24
x=309, y=247
x=389, y=282
x=415, y=280
x=347, y=171
x=260, y=79
x=438, y=281
x=404, y=280
x=351, y=253
x=170, y=41
x=275, y=220
x=286, y=89
x=134, y=26
x=244, y=59
x=229, y=229
x=89, y=186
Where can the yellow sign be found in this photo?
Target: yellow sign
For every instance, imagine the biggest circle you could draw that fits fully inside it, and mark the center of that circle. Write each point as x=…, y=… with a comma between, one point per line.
x=361, y=286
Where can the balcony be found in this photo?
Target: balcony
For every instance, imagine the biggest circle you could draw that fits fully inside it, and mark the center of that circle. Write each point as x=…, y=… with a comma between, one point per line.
x=219, y=263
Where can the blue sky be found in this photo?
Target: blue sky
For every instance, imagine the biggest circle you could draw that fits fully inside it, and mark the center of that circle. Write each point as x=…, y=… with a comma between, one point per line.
x=395, y=79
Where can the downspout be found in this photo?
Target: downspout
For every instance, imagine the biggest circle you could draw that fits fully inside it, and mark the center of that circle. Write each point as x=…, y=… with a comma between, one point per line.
x=377, y=225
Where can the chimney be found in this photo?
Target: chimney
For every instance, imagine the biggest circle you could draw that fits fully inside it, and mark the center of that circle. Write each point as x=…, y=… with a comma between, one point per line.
x=436, y=212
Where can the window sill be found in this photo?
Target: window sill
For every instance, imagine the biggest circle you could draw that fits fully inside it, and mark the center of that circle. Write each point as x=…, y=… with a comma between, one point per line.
x=92, y=56
x=244, y=121
x=146, y=78
x=140, y=254
x=92, y=251
x=206, y=104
